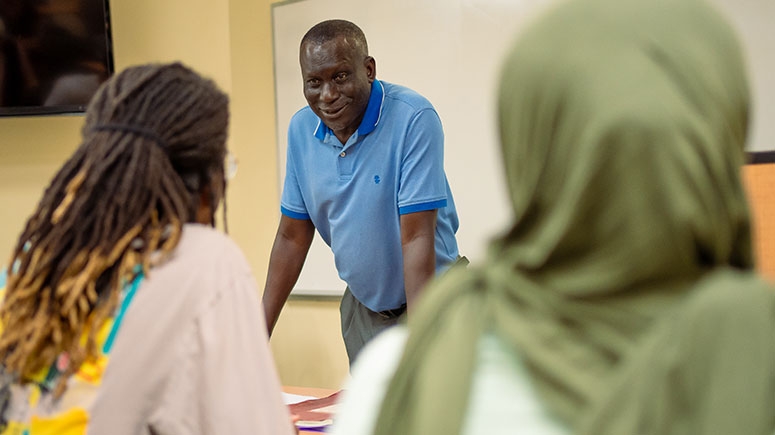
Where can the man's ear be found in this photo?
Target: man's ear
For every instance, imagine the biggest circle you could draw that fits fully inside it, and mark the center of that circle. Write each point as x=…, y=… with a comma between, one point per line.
x=371, y=68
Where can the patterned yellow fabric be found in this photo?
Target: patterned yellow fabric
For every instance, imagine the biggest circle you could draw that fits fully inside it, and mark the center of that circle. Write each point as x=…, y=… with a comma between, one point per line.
x=33, y=410
x=71, y=422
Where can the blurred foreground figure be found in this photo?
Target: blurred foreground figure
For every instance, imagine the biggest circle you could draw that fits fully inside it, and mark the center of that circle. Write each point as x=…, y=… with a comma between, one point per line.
x=126, y=311
x=623, y=299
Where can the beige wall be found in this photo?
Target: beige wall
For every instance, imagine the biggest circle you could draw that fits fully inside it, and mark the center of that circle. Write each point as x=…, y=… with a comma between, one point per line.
x=229, y=41
x=306, y=342
x=31, y=150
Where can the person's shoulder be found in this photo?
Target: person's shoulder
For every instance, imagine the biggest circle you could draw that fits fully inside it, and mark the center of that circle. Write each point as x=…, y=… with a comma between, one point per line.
x=198, y=235
x=302, y=125
x=364, y=391
x=304, y=116
x=210, y=246
x=729, y=293
x=391, y=341
x=405, y=95
x=207, y=260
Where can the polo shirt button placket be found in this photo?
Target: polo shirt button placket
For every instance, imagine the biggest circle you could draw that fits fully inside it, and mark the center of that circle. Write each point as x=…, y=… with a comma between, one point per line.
x=342, y=154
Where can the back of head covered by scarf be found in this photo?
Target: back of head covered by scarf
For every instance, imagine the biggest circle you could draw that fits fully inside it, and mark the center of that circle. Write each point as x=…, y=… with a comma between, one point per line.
x=626, y=281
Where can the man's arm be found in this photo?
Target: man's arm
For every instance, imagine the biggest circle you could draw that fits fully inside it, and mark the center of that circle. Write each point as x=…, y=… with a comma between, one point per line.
x=418, y=246
x=290, y=248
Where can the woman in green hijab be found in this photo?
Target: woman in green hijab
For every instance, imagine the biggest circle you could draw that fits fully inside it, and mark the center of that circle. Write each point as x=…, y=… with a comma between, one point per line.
x=623, y=296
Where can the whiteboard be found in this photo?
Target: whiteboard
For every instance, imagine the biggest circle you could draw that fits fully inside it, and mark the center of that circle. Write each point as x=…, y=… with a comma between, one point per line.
x=450, y=51
x=754, y=21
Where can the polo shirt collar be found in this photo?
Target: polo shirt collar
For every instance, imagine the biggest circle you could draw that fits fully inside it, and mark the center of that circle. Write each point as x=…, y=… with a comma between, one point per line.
x=370, y=117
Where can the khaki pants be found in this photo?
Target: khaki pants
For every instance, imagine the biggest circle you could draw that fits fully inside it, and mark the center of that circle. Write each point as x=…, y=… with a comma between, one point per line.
x=360, y=324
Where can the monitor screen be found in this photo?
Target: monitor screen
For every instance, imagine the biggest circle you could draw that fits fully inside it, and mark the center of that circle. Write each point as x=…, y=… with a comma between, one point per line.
x=54, y=54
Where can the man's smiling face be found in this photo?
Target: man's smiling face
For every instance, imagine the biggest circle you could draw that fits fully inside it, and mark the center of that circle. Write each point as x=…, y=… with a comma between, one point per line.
x=337, y=83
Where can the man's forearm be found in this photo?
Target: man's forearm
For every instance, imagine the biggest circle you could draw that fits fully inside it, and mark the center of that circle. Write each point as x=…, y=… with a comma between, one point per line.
x=289, y=251
x=284, y=269
x=273, y=301
x=418, y=249
x=419, y=268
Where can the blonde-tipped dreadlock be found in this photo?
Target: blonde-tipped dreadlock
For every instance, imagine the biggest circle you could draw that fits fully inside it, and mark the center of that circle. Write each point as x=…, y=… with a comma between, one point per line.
x=153, y=141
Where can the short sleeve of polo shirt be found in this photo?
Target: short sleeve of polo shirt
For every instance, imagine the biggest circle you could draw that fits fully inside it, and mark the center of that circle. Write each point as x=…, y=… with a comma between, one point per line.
x=292, y=202
x=422, y=184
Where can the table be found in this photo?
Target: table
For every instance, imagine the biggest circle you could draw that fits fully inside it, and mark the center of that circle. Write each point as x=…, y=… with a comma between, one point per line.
x=309, y=391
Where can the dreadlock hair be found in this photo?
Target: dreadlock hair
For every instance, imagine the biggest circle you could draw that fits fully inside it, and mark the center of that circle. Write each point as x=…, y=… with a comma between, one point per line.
x=154, y=139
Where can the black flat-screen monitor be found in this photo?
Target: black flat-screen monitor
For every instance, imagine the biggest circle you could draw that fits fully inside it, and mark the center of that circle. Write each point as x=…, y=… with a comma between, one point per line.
x=54, y=54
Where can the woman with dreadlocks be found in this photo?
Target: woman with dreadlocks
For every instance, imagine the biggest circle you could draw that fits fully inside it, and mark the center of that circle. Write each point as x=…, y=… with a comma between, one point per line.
x=125, y=311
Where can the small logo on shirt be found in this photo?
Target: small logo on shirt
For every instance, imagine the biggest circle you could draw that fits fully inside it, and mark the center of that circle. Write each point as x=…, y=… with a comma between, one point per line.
x=376, y=179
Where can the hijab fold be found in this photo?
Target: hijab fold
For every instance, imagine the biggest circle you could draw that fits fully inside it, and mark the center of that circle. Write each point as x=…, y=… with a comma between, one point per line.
x=629, y=262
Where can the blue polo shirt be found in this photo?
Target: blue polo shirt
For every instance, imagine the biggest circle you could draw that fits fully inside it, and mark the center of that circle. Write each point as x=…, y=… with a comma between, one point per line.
x=355, y=193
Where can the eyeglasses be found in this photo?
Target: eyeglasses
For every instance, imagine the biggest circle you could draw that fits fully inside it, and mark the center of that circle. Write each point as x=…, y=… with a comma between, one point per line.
x=230, y=166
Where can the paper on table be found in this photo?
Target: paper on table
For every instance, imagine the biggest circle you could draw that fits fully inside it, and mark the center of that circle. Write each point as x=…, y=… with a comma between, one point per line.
x=316, y=413
x=314, y=424
x=290, y=399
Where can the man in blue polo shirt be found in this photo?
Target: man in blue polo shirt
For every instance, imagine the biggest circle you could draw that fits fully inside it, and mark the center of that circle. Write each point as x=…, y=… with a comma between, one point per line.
x=365, y=167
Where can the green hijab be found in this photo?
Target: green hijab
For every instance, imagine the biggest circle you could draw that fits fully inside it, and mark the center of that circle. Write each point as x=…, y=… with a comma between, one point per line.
x=625, y=283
